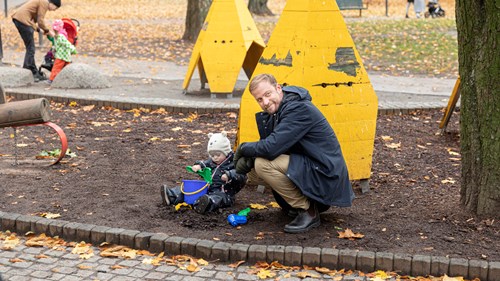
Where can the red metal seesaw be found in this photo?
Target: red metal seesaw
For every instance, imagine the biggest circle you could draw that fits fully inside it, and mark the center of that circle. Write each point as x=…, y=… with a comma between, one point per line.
x=62, y=137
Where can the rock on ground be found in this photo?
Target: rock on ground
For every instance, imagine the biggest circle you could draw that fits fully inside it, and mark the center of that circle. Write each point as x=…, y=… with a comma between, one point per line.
x=15, y=77
x=80, y=76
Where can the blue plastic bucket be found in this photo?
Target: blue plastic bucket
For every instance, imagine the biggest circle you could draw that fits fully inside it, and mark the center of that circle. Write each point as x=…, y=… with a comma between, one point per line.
x=193, y=189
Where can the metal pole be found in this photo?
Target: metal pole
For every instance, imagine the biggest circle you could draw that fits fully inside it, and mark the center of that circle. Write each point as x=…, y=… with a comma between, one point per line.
x=40, y=38
x=6, y=9
x=386, y=8
x=1, y=49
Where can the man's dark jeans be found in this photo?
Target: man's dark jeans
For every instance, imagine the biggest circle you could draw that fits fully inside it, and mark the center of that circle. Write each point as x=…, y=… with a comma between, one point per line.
x=26, y=33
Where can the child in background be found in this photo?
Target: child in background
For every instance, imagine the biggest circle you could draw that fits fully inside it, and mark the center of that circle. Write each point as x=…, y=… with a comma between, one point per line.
x=63, y=49
x=225, y=181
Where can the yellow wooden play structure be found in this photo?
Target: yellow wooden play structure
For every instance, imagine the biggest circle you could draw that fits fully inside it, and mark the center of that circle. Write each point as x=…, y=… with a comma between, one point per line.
x=312, y=48
x=228, y=41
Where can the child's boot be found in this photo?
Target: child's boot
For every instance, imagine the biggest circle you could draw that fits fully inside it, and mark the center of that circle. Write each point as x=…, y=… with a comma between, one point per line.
x=171, y=196
x=211, y=202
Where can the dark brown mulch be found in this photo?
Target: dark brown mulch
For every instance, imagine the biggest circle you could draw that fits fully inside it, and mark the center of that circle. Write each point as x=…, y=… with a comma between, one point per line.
x=123, y=158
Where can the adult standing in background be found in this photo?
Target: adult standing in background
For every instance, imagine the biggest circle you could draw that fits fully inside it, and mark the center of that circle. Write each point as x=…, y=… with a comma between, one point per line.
x=408, y=7
x=28, y=18
x=419, y=8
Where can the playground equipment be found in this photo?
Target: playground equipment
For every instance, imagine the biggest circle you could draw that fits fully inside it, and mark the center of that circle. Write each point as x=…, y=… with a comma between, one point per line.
x=228, y=41
x=452, y=103
x=312, y=48
x=29, y=113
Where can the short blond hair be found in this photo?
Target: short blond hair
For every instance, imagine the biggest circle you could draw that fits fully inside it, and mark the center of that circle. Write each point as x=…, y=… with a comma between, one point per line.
x=262, y=78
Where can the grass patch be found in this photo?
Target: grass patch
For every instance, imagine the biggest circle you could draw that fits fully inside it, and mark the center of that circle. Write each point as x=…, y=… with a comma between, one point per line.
x=418, y=47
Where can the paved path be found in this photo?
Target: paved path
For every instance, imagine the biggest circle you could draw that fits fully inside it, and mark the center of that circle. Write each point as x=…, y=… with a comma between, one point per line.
x=145, y=83
x=11, y=4
x=42, y=263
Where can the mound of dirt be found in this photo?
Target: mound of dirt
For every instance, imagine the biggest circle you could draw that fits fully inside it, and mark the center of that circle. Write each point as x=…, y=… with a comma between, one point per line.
x=122, y=158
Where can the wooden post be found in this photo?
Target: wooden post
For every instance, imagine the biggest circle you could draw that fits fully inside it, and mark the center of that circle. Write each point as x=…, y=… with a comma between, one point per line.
x=24, y=112
x=3, y=99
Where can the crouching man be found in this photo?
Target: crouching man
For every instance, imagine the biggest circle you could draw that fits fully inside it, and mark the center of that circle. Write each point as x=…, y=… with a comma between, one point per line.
x=298, y=154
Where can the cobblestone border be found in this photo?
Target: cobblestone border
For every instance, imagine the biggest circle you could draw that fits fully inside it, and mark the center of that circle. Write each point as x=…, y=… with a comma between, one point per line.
x=366, y=261
x=181, y=106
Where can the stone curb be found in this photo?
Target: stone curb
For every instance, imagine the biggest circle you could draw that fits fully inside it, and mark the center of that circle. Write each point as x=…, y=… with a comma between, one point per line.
x=367, y=261
x=180, y=106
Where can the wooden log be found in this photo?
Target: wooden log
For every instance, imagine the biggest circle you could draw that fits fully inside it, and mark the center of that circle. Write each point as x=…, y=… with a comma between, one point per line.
x=17, y=113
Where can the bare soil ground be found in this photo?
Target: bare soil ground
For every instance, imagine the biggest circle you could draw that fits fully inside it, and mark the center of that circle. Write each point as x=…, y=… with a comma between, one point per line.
x=124, y=157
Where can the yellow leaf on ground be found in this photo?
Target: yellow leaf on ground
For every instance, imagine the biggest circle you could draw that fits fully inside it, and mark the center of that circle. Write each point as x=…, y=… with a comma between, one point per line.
x=153, y=261
x=14, y=260
x=274, y=205
x=10, y=242
x=154, y=139
x=232, y=115
x=324, y=270
x=448, y=180
x=176, y=129
x=349, y=234
x=305, y=274
x=118, y=251
x=192, y=268
x=258, y=206
x=146, y=253
x=264, y=274
x=41, y=256
x=381, y=274
x=116, y=266
x=128, y=130
x=88, y=107
x=386, y=138
x=81, y=266
x=50, y=215
x=202, y=262
x=393, y=145
x=236, y=264
x=81, y=248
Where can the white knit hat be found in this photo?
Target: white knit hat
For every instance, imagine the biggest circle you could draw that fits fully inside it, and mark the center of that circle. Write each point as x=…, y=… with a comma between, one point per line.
x=219, y=142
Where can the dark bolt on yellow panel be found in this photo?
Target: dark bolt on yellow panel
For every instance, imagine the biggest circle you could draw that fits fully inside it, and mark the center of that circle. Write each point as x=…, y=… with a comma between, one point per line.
x=228, y=42
x=312, y=48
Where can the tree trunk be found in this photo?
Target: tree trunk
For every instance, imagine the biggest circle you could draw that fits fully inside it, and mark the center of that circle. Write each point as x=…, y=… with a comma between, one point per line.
x=195, y=17
x=259, y=7
x=479, y=58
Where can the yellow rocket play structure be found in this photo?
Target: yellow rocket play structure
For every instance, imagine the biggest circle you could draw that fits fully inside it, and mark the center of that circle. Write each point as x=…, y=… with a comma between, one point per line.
x=312, y=48
x=227, y=42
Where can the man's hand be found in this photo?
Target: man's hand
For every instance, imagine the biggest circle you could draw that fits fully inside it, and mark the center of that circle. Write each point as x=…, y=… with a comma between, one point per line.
x=238, y=154
x=244, y=165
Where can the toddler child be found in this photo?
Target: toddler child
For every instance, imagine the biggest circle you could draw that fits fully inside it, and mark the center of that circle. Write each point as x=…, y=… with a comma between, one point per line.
x=63, y=49
x=225, y=181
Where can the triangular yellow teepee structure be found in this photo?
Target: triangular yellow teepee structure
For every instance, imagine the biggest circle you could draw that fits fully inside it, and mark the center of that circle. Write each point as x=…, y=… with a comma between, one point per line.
x=228, y=41
x=312, y=48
